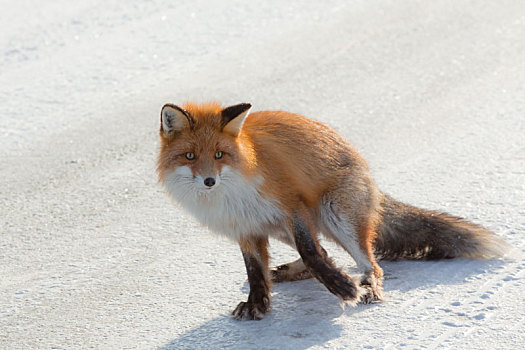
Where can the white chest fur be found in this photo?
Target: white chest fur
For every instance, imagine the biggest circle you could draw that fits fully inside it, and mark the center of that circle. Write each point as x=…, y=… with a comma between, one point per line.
x=233, y=207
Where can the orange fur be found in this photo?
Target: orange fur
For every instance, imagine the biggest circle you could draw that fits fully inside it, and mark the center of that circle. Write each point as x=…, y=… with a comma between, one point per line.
x=299, y=159
x=292, y=177
x=205, y=141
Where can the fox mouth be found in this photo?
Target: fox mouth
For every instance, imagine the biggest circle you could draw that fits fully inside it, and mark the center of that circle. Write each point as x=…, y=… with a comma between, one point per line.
x=204, y=191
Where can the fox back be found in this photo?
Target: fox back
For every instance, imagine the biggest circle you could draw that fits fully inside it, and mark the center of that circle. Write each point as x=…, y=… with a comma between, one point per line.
x=237, y=175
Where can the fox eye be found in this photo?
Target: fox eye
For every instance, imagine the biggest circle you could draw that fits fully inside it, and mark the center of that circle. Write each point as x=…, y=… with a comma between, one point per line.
x=190, y=155
x=218, y=155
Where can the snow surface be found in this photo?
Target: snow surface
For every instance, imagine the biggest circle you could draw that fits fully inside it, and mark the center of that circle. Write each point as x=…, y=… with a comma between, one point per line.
x=94, y=255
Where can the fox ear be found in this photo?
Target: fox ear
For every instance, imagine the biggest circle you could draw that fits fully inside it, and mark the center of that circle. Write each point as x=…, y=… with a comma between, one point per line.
x=174, y=118
x=233, y=118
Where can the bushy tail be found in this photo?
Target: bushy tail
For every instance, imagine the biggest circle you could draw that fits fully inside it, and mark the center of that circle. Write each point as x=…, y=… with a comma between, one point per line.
x=407, y=232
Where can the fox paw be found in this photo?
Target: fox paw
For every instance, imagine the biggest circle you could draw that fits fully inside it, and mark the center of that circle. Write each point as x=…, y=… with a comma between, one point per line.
x=282, y=274
x=373, y=292
x=344, y=287
x=251, y=311
x=371, y=295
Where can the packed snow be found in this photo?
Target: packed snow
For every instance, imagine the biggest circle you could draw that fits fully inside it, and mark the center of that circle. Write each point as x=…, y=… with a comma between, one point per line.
x=93, y=254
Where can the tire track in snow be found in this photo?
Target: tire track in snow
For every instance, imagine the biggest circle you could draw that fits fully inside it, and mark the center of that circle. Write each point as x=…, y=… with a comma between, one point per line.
x=482, y=312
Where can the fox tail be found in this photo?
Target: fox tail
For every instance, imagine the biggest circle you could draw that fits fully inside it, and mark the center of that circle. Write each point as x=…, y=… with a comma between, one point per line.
x=407, y=232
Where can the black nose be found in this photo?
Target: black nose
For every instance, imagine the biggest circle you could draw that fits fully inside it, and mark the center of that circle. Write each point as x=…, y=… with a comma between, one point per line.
x=209, y=181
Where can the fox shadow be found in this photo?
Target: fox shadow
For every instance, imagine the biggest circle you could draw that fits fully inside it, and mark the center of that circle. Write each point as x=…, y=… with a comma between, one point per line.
x=405, y=275
x=304, y=313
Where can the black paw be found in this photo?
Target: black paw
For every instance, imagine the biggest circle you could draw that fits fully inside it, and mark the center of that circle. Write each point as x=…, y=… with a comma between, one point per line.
x=343, y=286
x=251, y=311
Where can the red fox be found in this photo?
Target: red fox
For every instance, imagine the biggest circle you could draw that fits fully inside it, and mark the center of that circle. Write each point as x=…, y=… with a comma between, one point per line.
x=282, y=175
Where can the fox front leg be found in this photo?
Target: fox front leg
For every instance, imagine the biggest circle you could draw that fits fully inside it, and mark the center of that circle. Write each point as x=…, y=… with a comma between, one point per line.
x=255, y=254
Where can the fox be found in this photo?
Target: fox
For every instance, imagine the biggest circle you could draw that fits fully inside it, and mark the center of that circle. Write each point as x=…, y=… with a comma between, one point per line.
x=252, y=176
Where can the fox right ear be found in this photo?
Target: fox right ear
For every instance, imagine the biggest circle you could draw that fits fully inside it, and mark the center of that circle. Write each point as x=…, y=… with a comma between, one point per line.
x=233, y=118
x=174, y=118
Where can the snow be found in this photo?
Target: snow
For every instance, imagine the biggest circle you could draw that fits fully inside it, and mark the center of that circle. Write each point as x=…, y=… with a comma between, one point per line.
x=94, y=255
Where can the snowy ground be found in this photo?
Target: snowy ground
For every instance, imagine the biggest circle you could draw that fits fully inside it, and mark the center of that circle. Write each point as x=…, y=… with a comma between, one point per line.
x=94, y=255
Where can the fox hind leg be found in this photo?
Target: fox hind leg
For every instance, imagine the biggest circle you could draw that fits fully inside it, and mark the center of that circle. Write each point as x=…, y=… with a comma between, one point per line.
x=372, y=280
x=292, y=271
x=357, y=241
x=317, y=261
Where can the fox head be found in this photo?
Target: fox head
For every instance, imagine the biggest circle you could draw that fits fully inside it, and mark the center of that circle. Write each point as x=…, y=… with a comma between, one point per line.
x=208, y=164
x=198, y=142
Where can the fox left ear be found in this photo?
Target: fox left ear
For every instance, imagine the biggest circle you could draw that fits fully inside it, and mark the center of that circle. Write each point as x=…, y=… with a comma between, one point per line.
x=233, y=118
x=174, y=118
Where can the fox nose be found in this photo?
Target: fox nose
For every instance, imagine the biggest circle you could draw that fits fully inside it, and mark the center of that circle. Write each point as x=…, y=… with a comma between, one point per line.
x=209, y=181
